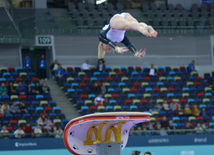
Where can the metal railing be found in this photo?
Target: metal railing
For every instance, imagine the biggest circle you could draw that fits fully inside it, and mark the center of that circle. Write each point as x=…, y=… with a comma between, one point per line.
x=43, y=135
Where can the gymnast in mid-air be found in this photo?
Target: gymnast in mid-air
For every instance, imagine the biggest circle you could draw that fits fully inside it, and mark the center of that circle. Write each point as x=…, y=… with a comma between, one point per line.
x=114, y=32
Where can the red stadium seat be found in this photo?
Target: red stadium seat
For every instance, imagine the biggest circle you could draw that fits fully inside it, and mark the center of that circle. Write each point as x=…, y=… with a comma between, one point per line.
x=169, y=100
x=144, y=101
x=11, y=69
x=119, y=74
x=183, y=101
x=69, y=69
x=200, y=95
x=114, y=96
x=48, y=109
x=194, y=105
x=147, y=79
x=171, y=89
x=137, y=84
x=83, y=96
x=138, y=69
x=197, y=84
x=93, y=108
x=128, y=102
x=86, y=79
x=133, y=90
x=99, y=84
x=46, y=114
x=182, y=68
x=199, y=78
x=35, y=79
x=13, y=122
x=82, y=85
x=9, y=128
x=159, y=119
x=19, y=79
x=155, y=90
x=109, y=79
x=22, y=97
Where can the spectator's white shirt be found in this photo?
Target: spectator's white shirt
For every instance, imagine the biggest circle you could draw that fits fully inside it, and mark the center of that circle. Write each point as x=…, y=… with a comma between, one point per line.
x=59, y=134
x=86, y=66
x=55, y=66
x=1, y=110
x=37, y=131
x=4, y=131
x=18, y=133
x=98, y=99
x=152, y=72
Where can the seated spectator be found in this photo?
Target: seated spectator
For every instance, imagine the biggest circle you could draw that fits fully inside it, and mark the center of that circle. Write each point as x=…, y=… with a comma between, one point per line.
x=180, y=111
x=101, y=65
x=45, y=89
x=163, y=132
x=203, y=112
x=41, y=120
x=14, y=108
x=11, y=89
x=191, y=66
x=152, y=71
x=47, y=129
x=3, y=90
x=58, y=73
x=27, y=62
x=6, y=108
x=38, y=131
x=132, y=132
x=205, y=127
x=86, y=66
x=29, y=90
x=37, y=90
x=159, y=107
x=98, y=101
x=174, y=106
x=1, y=109
x=139, y=131
x=59, y=133
x=20, y=89
x=158, y=125
x=47, y=122
x=96, y=89
x=28, y=130
x=19, y=133
x=171, y=128
x=54, y=66
x=199, y=129
x=195, y=111
x=166, y=106
x=151, y=126
x=188, y=127
x=103, y=88
x=22, y=108
x=187, y=110
x=4, y=133
x=145, y=132
x=164, y=122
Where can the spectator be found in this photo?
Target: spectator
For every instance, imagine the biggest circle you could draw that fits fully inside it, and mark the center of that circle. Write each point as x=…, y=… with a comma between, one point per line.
x=203, y=112
x=166, y=106
x=38, y=131
x=171, y=128
x=158, y=125
x=4, y=132
x=163, y=132
x=180, y=111
x=152, y=71
x=47, y=129
x=174, y=106
x=51, y=132
x=164, y=122
x=159, y=107
x=37, y=90
x=101, y=65
x=199, y=129
x=11, y=89
x=27, y=62
x=139, y=131
x=54, y=66
x=98, y=101
x=58, y=72
x=29, y=90
x=3, y=90
x=188, y=127
x=96, y=89
x=59, y=133
x=14, y=108
x=19, y=133
x=187, y=110
x=47, y=122
x=151, y=126
x=41, y=120
x=132, y=132
x=205, y=127
x=42, y=67
x=22, y=108
x=1, y=109
x=20, y=89
x=191, y=66
x=86, y=66
x=145, y=132
x=103, y=88
x=28, y=130
x=45, y=89
x=195, y=111
x=6, y=108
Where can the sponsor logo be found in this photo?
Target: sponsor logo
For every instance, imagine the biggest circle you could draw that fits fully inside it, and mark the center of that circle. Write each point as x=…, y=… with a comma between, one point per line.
x=200, y=140
x=162, y=140
x=187, y=152
x=17, y=144
x=81, y=120
x=122, y=117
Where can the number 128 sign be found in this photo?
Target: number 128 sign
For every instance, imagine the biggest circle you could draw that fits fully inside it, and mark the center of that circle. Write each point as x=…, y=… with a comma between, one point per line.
x=44, y=40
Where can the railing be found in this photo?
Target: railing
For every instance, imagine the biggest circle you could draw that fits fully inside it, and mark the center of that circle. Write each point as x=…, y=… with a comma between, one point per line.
x=43, y=135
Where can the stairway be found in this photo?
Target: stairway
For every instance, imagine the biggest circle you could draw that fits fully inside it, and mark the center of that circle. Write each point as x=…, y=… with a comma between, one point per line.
x=61, y=100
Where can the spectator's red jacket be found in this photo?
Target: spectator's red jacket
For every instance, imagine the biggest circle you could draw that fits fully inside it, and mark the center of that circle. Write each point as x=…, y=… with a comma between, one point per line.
x=28, y=130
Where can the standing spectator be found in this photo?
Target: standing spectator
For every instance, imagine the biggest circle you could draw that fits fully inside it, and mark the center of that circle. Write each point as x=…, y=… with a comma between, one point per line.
x=59, y=133
x=86, y=66
x=203, y=112
x=11, y=89
x=29, y=90
x=103, y=88
x=19, y=133
x=20, y=89
x=37, y=90
x=180, y=111
x=195, y=111
x=28, y=130
x=3, y=90
x=166, y=106
x=54, y=66
x=152, y=71
x=4, y=132
x=22, y=108
x=14, y=108
x=47, y=122
x=6, y=108
x=164, y=122
x=58, y=72
x=101, y=65
x=45, y=89
x=191, y=66
x=42, y=67
x=163, y=132
x=27, y=62
x=187, y=110
x=174, y=106
x=38, y=131
x=171, y=128
x=41, y=120
x=96, y=89
x=199, y=129
x=98, y=101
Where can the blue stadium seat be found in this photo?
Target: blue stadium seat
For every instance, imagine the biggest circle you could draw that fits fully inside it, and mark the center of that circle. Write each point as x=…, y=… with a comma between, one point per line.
x=135, y=74
x=3, y=80
x=155, y=96
x=148, y=90
x=162, y=113
x=35, y=103
x=208, y=95
x=6, y=75
x=125, y=108
x=70, y=90
x=170, y=95
x=78, y=79
x=74, y=85
x=39, y=109
x=19, y=68
x=121, y=84
x=26, y=116
x=202, y=106
x=190, y=101
x=181, y=125
x=185, y=89
x=122, y=69
x=101, y=79
x=39, y=96
x=93, y=79
x=211, y=124
x=152, y=84
x=91, y=96
x=56, y=109
x=176, y=119
x=110, y=90
x=170, y=79
x=131, y=96
x=139, y=96
x=168, y=69
x=104, y=74
x=132, y=79
x=114, y=85
x=109, y=108
x=160, y=69
x=118, y=90
x=52, y=103
x=112, y=102
x=84, y=108
x=133, y=108
x=160, y=84
x=174, y=124
x=97, y=74
x=10, y=80
x=184, y=119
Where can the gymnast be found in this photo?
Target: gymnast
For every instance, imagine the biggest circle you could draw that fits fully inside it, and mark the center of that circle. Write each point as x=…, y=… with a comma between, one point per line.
x=114, y=32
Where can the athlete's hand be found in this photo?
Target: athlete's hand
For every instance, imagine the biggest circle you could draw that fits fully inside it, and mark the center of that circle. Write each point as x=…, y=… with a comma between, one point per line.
x=121, y=50
x=141, y=53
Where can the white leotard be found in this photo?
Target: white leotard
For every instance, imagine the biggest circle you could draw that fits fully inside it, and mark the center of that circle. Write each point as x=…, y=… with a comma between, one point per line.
x=114, y=34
